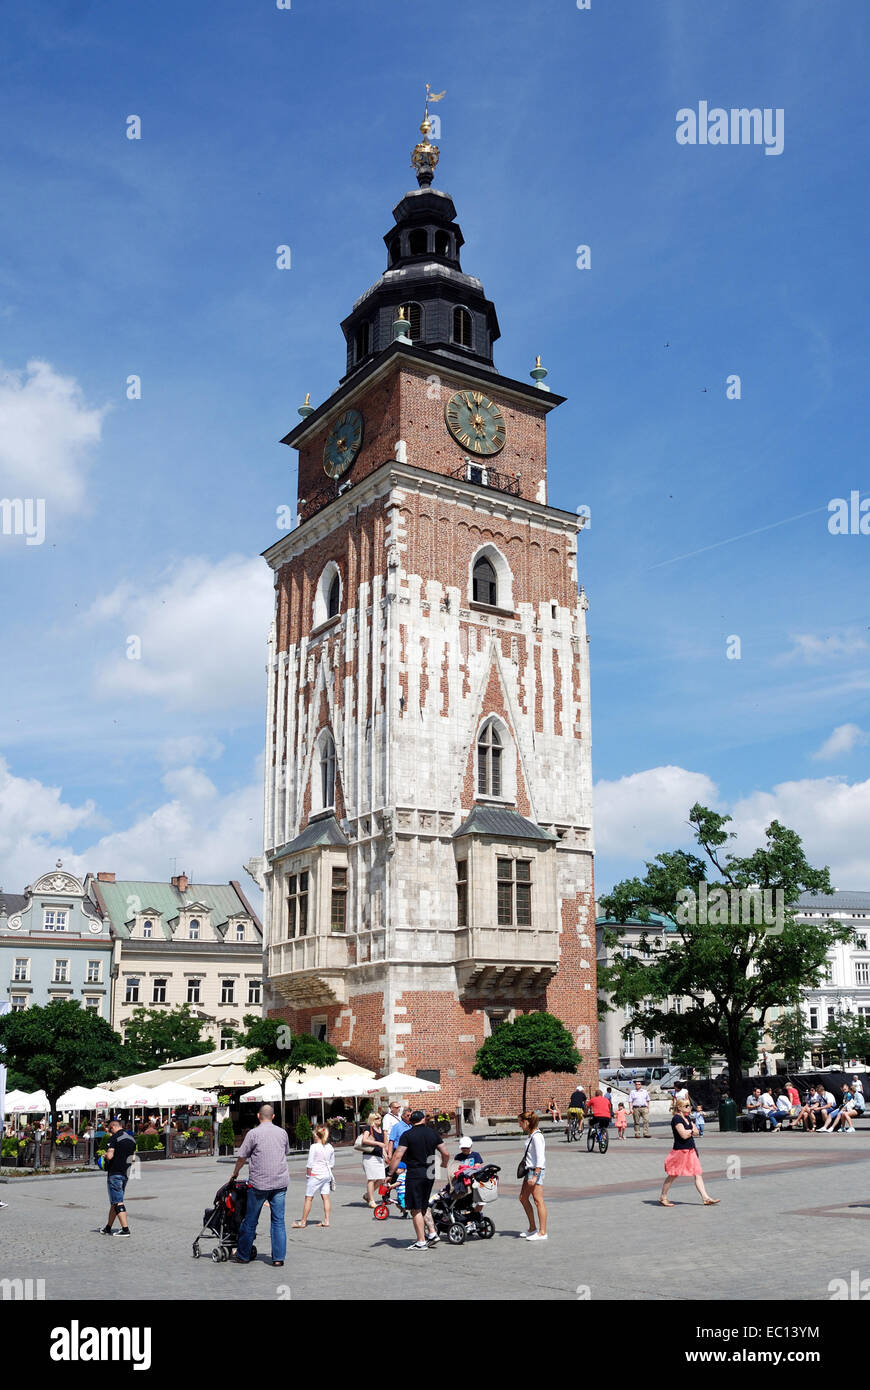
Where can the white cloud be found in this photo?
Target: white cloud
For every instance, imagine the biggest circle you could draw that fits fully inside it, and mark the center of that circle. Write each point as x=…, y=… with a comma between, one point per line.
x=639, y=815
x=202, y=630
x=34, y=824
x=190, y=748
x=843, y=740
x=812, y=649
x=47, y=434
x=208, y=834
x=831, y=815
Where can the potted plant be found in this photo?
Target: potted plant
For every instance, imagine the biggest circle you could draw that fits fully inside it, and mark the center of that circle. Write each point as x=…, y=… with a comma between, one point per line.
x=150, y=1146
x=336, y=1128
x=303, y=1132
x=443, y=1122
x=12, y=1150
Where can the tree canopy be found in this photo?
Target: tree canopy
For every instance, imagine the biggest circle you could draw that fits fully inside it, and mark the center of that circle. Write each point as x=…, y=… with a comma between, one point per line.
x=845, y=1037
x=281, y=1052
x=155, y=1036
x=730, y=966
x=61, y=1045
x=532, y=1045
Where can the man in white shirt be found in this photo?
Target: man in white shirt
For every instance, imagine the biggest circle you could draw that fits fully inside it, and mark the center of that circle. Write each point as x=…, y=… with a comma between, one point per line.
x=391, y=1119
x=767, y=1106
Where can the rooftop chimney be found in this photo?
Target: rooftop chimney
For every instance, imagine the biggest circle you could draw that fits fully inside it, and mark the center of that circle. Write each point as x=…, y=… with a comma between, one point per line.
x=180, y=882
x=105, y=878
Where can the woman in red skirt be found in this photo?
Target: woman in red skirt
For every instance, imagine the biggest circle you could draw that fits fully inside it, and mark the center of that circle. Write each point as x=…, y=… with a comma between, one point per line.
x=683, y=1161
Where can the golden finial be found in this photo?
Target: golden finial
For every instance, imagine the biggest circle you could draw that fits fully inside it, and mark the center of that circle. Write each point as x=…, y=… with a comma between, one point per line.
x=308, y=393
x=537, y=362
x=401, y=311
x=424, y=155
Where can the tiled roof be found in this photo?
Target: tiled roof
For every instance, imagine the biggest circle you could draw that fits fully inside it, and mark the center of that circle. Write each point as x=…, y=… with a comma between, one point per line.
x=13, y=902
x=656, y=922
x=835, y=902
x=317, y=832
x=505, y=825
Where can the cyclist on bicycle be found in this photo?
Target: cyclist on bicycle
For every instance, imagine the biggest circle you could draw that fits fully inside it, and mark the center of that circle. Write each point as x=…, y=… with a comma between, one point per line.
x=600, y=1111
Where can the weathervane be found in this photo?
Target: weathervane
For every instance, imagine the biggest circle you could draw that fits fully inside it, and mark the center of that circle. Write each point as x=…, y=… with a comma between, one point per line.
x=425, y=155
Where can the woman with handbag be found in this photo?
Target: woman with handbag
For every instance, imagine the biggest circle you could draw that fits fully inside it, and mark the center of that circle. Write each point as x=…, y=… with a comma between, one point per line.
x=531, y=1170
x=371, y=1144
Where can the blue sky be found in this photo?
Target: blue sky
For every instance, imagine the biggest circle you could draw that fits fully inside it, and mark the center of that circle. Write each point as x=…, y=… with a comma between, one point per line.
x=156, y=257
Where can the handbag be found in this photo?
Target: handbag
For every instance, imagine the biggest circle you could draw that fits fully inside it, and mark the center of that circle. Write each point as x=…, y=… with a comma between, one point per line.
x=522, y=1165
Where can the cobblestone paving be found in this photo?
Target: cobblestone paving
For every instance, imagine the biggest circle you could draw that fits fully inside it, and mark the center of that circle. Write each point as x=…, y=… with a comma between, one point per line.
x=794, y=1214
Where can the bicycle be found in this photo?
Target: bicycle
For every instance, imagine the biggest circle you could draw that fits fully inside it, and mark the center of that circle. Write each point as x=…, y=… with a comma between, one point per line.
x=574, y=1128
x=597, y=1133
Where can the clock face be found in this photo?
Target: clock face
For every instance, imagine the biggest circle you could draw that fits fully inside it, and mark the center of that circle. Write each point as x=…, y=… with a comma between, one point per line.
x=475, y=422
x=343, y=443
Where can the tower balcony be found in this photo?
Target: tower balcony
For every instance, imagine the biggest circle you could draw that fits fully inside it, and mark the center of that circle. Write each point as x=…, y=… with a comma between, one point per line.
x=479, y=472
x=310, y=970
x=492, y=962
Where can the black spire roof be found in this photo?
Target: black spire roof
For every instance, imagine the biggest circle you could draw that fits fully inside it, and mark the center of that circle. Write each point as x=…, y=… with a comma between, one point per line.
x=447, y=310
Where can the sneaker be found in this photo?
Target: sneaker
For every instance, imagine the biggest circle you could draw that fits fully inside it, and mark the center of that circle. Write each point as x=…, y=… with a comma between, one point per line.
x=527, y=1235
x=122, y=1232
x=433, y=1239
x=105, y=1230
x=418, y=1245
x=850, y=1129
x=537, y=1236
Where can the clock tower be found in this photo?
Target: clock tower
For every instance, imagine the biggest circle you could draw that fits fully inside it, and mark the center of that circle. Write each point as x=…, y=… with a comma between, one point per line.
x=428, y=844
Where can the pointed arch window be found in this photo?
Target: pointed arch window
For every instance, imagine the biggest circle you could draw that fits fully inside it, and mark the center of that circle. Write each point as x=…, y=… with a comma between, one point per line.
x=333, y=601
x=484, y=584
x=489, y=762
x=462, y=327
x=327, y=771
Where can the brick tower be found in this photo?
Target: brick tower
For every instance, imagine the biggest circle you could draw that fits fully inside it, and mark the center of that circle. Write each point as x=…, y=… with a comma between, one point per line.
x=428, y=844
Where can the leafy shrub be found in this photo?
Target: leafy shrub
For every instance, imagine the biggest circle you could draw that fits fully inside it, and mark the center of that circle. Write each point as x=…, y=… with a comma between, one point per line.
x=366, y=1107
x=303, y=1131
x=9, y=1147
x=148, y=1143
x=226, y=1133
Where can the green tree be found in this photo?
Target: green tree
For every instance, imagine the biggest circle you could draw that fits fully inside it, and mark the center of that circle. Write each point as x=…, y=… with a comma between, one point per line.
x=59, y=1046
x=532, y=1045
x=155, y=1036
x=732, y=967
x=281, y=1052
x=845, y=1036
x=791, y=1036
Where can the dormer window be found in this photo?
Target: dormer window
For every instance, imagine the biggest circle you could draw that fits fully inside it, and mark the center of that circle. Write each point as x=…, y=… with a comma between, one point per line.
x=240, y=931
x=462, y=327
x=148, y=930
x=193, y=930
x=418, y=242
x=55, y=919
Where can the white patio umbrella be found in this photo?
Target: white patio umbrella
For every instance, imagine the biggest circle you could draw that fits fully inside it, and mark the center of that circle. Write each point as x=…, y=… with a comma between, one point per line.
x=173, y=1093
x=85, y=1098
x=131, y=1097
x=35, y=1104
x=396, y=1083
x=14, y=1101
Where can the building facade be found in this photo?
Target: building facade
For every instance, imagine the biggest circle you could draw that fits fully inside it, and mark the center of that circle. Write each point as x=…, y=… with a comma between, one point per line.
x=176, y=943
x=846, y=987
x=55, y=944
x=638, y=939
x=428, y=849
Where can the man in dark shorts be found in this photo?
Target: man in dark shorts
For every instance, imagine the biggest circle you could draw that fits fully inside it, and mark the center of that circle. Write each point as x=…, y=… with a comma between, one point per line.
x=122, y=1148
x=417, y=1148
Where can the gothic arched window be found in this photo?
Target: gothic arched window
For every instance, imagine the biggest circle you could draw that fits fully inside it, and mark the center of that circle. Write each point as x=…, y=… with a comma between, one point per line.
x=484, y=585
x=418, y=242
x=462, y=327
x=489, y=751
x=327, y=771
x=334, y=600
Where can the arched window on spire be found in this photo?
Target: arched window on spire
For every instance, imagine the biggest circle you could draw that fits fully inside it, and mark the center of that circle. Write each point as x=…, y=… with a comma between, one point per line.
x=462, y=327
x=414, y=315
x=489, y=762
x=418, y=242
x=327, y=771
x=361, y=342
x=395, y=250
x=442, y=244
x=484, y=584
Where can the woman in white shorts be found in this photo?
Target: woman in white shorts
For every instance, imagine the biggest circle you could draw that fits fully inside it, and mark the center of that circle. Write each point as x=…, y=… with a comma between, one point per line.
x=373, y=1156
x=321, y=1160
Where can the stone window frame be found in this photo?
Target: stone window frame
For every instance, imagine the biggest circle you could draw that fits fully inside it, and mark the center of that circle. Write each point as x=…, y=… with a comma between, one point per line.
x=320, y=613
x=482, y=855
x=21, y=979
x=320, y=801
x=507, y=762
x=318, y=864
x=504, y=579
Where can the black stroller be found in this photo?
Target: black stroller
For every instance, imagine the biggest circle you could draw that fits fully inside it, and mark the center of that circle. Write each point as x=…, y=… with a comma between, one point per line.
x=459, y=1208
x=221, y=1222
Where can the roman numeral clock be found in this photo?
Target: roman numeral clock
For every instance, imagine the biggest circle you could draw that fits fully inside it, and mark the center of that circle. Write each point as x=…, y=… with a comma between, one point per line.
x=475, y=422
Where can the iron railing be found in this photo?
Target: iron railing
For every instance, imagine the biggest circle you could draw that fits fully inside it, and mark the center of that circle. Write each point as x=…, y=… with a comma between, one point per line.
x=476, y=471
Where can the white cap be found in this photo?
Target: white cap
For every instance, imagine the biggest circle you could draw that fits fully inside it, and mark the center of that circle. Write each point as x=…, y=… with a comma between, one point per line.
x=465, y=1142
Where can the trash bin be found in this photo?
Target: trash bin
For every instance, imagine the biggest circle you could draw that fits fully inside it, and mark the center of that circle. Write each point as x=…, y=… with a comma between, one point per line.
x=727, y=1115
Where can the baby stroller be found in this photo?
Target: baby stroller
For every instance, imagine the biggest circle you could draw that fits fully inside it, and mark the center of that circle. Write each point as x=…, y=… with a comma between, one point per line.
x=458, y=1210
x=392, y=1194
x=221, y=1222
